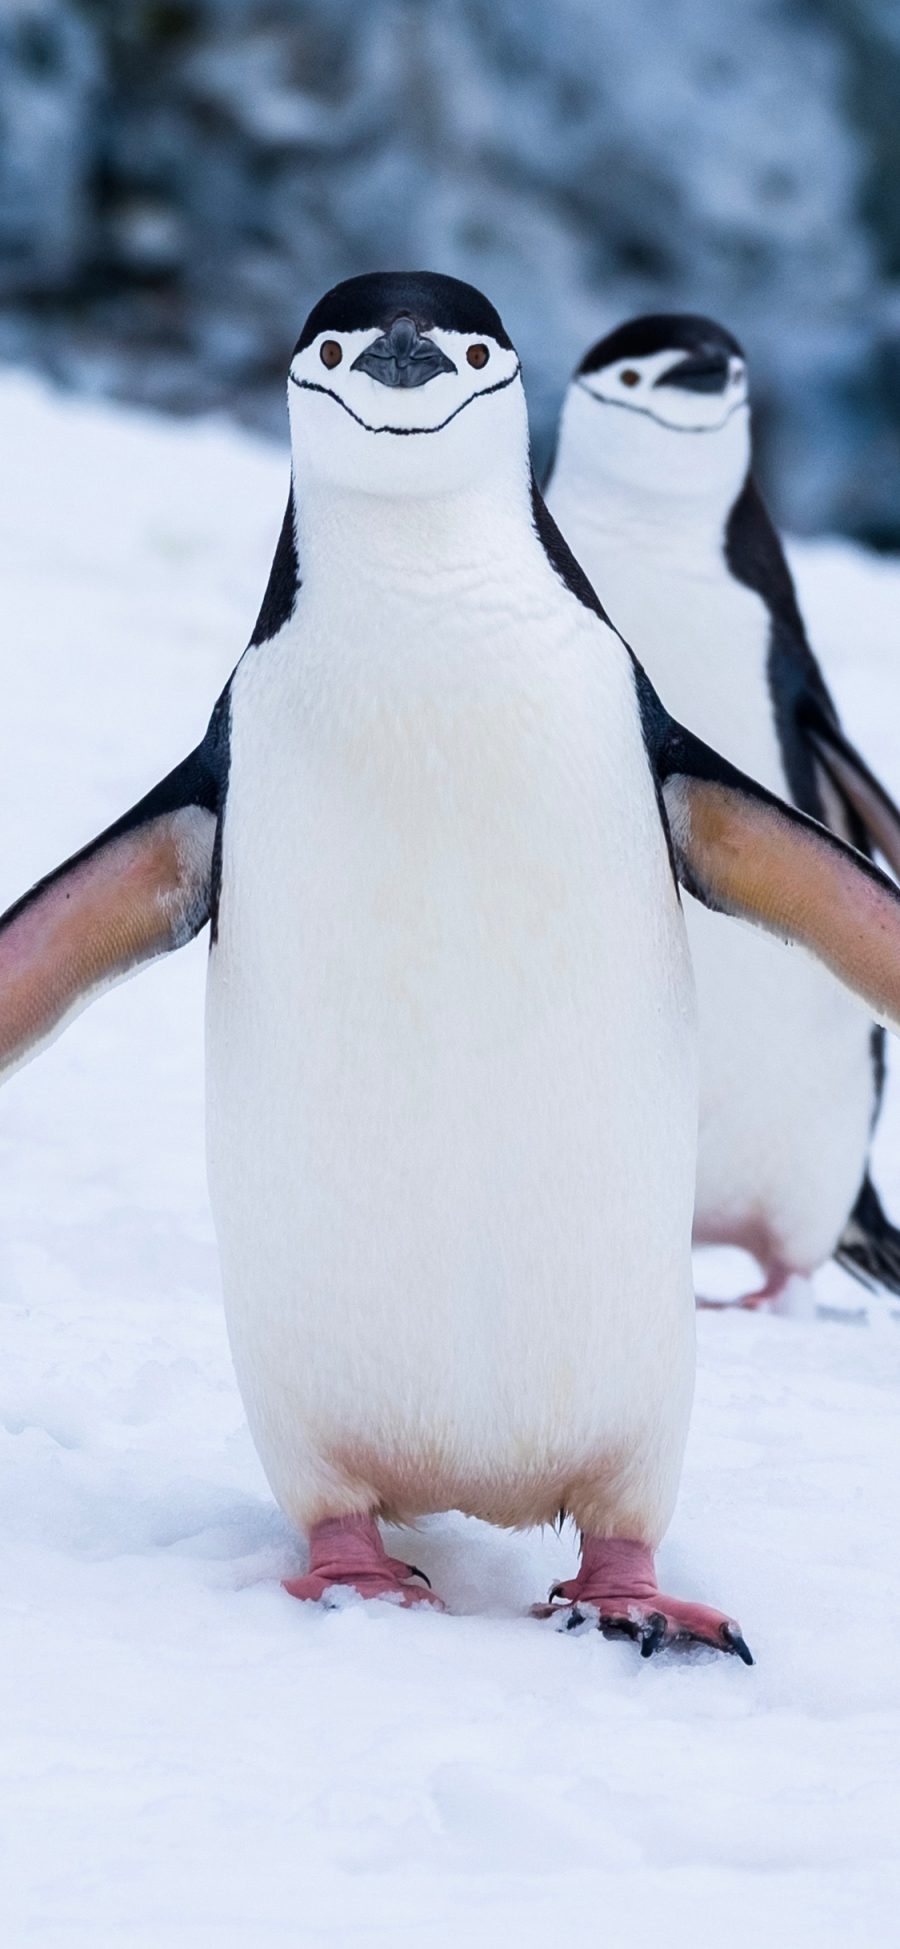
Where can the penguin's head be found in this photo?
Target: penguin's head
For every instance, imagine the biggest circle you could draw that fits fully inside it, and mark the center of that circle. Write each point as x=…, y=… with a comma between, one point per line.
x=405, y=383
x=660, y=406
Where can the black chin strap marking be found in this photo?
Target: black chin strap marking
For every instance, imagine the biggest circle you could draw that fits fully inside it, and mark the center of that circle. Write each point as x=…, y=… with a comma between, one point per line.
x=625, y=406
x=312, y=386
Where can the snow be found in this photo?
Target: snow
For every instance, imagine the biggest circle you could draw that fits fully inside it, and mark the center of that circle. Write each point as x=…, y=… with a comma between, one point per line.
x=189, y=1757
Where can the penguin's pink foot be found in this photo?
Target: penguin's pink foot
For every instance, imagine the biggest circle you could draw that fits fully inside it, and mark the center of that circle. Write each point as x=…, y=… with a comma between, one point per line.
x=346, y=1552
x=616, y=1590
x=770, y=1294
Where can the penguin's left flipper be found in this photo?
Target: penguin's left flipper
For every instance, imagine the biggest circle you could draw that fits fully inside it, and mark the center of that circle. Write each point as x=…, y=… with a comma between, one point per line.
x=143, y=887
x=741, y=851
x=857, y=785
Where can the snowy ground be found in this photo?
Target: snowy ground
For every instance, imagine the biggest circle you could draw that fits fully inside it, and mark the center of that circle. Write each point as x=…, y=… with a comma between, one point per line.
x=189, y=1757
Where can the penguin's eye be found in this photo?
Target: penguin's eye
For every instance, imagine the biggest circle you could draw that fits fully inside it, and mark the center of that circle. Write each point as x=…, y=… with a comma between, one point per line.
x=330, y=353
x=629, y=377
x=478, y=356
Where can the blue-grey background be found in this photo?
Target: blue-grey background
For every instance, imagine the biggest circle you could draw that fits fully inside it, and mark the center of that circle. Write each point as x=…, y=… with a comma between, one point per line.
x=180, y=179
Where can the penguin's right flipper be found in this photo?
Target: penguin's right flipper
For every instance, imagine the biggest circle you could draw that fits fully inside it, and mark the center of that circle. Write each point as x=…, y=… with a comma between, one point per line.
x=857, y=785
x=743, y=852
x=869, y=1246
x=143, y=887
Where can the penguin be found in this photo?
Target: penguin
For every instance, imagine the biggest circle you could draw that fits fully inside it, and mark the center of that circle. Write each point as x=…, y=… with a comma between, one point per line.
x=436, y=827
x=653, y=485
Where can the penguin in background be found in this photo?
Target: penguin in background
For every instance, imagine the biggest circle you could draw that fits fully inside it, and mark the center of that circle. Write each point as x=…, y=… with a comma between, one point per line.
x=436, y=827
x=653, y=486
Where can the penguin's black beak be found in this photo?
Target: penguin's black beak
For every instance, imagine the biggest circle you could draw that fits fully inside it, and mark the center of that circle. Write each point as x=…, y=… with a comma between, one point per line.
x=705, y=371
x=403, y=357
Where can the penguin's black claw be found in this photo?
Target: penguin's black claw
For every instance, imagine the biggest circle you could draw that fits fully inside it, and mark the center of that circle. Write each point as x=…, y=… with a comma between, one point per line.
x=653, y=1634
x=620, y=1627
x=677, y=1627
x=414, y=1572
x=736, y=1643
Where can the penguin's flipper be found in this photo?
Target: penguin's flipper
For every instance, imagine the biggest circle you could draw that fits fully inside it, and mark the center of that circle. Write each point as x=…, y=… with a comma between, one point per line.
x=741, y=851
x=858, y=786
x=869, y=1246
x=143, y=887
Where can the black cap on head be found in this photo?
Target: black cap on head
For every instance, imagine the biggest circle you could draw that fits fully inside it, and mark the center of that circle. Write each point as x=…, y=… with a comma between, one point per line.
x=373, y=302
x=660, y=331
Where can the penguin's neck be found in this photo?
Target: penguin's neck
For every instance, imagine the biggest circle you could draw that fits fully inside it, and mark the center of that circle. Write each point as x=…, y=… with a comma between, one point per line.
x=595, y=509
x=468, y=546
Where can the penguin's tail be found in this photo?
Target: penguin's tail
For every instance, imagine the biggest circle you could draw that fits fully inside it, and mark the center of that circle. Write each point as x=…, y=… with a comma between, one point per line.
x=870, y=1246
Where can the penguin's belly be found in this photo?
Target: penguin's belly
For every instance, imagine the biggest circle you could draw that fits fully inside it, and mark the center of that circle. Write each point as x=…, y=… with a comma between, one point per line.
x=786, y=1096
x=786, y=1077
x=452, y=1100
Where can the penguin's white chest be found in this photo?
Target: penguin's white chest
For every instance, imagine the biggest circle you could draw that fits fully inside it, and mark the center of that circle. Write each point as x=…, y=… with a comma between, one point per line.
x=451, y=1059
x=704, y=641
x=786, y=1082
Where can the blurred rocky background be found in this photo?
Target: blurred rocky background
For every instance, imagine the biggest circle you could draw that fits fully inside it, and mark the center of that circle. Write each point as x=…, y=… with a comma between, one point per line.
x=180, y=179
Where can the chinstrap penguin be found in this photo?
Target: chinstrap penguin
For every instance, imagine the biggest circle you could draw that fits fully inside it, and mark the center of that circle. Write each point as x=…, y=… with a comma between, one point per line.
x=653, y=487
x=436, y=824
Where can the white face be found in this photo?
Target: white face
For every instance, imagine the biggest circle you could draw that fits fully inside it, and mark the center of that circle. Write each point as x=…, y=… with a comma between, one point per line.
x=639, y=386
x=661, y=438
x=372, y=434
